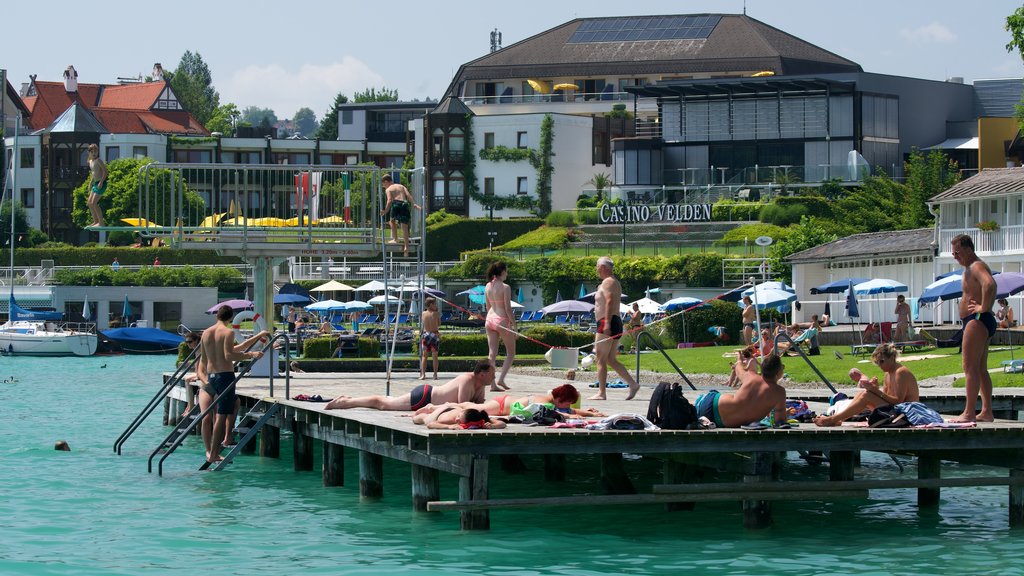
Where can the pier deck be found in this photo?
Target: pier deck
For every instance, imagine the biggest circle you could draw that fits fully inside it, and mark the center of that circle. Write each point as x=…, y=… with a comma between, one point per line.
x=752, y=455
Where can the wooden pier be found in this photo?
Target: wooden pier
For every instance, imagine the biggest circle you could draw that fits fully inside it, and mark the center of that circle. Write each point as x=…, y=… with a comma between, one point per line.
x=753, y=457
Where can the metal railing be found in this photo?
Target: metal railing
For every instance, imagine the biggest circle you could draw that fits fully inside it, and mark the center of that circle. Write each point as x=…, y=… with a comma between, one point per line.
x=646, y=336
x=172, y=443
x=176, y=378
x=1005, y=239
x=793, y=346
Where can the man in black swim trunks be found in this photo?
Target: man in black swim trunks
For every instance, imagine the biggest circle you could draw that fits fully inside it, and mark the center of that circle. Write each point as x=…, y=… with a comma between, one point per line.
x=979, y=294
x=399, y=199
x=468, y=387
x=607, y=301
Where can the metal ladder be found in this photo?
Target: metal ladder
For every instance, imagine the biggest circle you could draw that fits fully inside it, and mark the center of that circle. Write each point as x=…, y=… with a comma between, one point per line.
x=262, y=412
x=177, y=378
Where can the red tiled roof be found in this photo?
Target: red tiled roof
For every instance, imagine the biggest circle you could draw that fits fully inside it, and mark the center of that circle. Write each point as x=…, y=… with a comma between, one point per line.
x=125, y=109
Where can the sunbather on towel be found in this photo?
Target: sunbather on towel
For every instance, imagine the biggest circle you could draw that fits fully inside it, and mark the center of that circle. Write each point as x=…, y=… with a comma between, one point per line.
x=468, y=387
x=759, y=395
x=900, y=386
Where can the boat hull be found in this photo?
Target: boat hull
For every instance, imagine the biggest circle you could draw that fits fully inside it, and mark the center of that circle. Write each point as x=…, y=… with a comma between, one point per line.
x=48, y=344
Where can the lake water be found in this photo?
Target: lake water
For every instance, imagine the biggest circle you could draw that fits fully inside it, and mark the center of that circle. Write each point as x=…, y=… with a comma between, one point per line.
x=90, y=511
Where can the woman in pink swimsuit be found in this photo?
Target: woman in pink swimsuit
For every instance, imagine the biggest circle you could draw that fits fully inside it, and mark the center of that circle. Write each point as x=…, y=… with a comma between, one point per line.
x=500, y=321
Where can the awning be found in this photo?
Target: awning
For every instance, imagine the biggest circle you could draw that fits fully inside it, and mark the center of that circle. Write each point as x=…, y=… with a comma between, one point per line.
x=956, y=144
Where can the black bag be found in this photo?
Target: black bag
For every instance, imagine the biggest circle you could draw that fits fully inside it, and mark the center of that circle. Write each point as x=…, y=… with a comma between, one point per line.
x=670, y=410
x=546, y=416
x=887, y=417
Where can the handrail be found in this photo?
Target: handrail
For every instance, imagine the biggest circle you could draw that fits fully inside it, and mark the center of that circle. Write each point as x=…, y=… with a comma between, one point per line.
x=636, y=344
x=183, y=433
x=179, y=374
x=794, y=346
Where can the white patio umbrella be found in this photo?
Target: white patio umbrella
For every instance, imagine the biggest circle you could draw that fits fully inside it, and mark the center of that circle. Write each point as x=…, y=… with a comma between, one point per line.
x=332, y=286
x=879, y=286
x=371, y=286
x=646, y=305
x=354, y=305
x=381, y=298
x=325, y=306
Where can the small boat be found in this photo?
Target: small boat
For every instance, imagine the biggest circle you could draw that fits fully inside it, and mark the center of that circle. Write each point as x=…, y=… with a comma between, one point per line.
x=139, y=340
x=35, y=333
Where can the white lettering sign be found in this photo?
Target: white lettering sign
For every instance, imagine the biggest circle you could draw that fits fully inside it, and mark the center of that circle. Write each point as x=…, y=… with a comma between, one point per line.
x=643, y=213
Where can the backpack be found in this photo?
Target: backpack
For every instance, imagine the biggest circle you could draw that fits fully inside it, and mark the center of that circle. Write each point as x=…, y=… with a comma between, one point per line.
x=670, y=410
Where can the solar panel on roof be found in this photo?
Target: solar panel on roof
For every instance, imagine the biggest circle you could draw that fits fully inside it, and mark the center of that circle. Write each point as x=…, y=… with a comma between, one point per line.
x=644, y=29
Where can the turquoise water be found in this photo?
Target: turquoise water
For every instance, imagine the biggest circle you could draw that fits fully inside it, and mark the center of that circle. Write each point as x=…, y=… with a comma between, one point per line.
x=90, y=511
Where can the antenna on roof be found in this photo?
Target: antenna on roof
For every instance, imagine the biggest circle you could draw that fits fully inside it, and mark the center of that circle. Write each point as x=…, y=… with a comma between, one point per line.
x=744, y=7
x=495, y=40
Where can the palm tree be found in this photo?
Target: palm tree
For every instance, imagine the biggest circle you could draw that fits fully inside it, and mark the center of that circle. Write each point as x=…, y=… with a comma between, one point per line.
x=600, y=181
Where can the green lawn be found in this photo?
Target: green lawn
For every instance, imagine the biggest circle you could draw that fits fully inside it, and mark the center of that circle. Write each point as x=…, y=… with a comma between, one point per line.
x=710, y=360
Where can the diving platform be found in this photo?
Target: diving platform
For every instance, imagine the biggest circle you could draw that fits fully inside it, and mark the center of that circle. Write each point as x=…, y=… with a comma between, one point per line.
x=750, y=466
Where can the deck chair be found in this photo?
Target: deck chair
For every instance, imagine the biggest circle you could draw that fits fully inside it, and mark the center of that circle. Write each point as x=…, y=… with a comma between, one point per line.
x=526, y=316
x=810, y=336
x=562, y=319
x=538, y=316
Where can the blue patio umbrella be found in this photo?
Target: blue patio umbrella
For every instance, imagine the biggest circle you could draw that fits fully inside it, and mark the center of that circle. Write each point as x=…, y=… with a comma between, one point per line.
x=558, y=295
x=583, y=290
x=851, y=302
x=946, y=288
x=126, y=311
x=519, y=295
x=836, y=286
x=291, y=299
x=1009, y=283
x=681, y=303
x=475, y=294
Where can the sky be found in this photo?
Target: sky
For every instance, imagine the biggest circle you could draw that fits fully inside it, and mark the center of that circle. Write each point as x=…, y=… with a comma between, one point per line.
x=287, y=56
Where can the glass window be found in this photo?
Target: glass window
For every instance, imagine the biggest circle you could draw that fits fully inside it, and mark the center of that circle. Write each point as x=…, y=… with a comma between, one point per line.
x=193, y=156
x=113, y=153
x=521, y=185
x=28, y=197
x=140, y=152
x=28, y=158
x=521, y=139
x=488, y=186
x=488, y=140
x=346, y=117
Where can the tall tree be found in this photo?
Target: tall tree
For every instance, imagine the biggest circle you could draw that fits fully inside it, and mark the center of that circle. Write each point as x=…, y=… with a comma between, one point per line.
x=256, y=116
x=372, y=95
x=1015, y=26
x=304, y=121
x=224, y=119
x=926, y=177
x=193, y=84
x=328, y=129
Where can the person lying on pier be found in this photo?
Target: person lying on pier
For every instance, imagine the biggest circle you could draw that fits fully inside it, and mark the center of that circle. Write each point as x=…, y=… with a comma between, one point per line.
x=452, y=417
x=759, y=395
x=468, y=387
x=900, y=386
x=560, y=398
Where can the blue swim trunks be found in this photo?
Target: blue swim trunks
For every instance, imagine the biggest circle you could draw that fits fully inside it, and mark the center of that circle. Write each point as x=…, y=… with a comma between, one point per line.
x=707, y=406
x=99, y=190
x=220, y=382
x=988, y=319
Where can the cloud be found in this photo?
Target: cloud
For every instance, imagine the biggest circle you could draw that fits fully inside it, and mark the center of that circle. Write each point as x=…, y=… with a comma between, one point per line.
x=933, y=33
x=285, y=91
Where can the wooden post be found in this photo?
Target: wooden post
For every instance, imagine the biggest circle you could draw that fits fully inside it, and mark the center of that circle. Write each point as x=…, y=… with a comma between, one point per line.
x=334, y=464
x=1016, y=500
x=175, y=416
x=678, y=473
x=840, y=465
x=167, y=411
x=757, y=514
x=371, y=475
x=613, y=475
x=474, y=487
x=302, y=448
x=270, y=441
x=512, y=464
x=426, y=487
x=928, y=466
x=554, y=467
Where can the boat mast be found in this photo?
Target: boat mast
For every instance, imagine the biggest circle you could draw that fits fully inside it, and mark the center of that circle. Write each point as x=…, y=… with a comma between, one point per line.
x=14, y=186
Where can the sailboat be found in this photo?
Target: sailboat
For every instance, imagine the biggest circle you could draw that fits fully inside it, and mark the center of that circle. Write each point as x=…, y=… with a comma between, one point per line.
x=35, y=333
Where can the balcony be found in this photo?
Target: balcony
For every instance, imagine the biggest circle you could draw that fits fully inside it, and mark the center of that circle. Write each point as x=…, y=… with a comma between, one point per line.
x=1005, y=241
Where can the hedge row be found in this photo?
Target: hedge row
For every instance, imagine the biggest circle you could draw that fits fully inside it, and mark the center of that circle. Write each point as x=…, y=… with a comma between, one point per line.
x=324, y=346
x=224, y=279
x=101, y=256
x=448, y=239
x=476, y=344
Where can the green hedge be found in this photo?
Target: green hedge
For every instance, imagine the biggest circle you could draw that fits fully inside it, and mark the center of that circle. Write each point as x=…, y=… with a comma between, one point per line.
x=448, y=239
x=324, y=346
x=224, y=279
x=562, y=219
x=730, y=211
x=102, y=256
x=816, y=206
x=547, y=237
x=588, y=216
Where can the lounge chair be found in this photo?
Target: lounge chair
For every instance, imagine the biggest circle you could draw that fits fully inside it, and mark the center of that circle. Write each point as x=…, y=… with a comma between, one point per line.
x=526, y=316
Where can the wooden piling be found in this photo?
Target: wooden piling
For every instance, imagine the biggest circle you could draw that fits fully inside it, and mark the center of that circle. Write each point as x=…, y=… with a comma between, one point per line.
x=334, y=464
x=1016, y=500
x=554, y=467
x=613, y=475
x=371, y=475
x=302, y=448
x=758, y=513
x=840, y=465
x=474, y=487
x=928, y=466
x=678, y=473
x=270, y=441
x=426, y=487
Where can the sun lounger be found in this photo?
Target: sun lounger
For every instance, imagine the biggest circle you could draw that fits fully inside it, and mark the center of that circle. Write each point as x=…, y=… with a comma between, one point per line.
x=1013, y=366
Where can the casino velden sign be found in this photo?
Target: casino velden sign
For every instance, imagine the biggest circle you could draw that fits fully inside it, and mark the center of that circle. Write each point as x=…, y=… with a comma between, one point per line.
x=644, y=213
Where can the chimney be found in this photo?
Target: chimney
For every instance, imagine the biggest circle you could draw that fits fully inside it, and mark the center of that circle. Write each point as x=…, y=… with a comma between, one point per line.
x=158, y=72
x=955, y=80
x=70, y=79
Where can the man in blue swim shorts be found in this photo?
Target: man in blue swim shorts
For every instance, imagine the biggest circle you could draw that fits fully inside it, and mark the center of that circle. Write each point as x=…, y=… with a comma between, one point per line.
x=979, y=294
x=96, y=186
x=758, y=396
x=468, y=387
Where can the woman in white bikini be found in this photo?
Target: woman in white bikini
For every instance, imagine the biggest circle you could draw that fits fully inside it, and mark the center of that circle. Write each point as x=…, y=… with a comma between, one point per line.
x=500, y=321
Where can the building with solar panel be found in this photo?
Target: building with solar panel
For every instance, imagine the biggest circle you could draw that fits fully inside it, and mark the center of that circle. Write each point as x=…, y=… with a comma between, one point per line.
x=693, y=108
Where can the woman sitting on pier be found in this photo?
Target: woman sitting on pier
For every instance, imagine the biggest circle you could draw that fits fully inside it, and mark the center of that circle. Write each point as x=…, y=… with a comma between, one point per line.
x=900, y=386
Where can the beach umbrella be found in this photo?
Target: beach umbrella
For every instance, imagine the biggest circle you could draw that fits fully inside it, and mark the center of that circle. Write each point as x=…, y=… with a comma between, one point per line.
x=431, y=292
x=140, y=223
x=946, y=288
x=126, y=310
x=332, y=286
x=326, y=306
x=539, y=86
x=558, y=295
x=519, y=295
x=236, y=304
x=879, y=286
x=681, y=303
x=371, y=286
x=770, y=298
x=380, y=299
x=647, y=306
x=566, y=86
x=517, y=305
x=583, y=291
x=353, y=305
x=950, y=273
x=479, y=289
x=851, y=302
x=1009, y=283
x=566, y=307
x=734, y=295
x=292, y=288
x=836, y=286
x=86, y=313
x=291, y=299
x=772, y=285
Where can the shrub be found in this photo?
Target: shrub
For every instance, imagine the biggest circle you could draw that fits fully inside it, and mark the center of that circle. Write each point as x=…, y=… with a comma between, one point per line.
x=544, y=238
x=750, y=232
x=224, y=279
x=719, y=313
x=447, y=240
x=586, y=201
x=438, y=216
x=813, y=205
x=66, y=255
x=562, y=219
x=729, y=211
x=782, y=214
x=320, y=347
x=589, y=216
